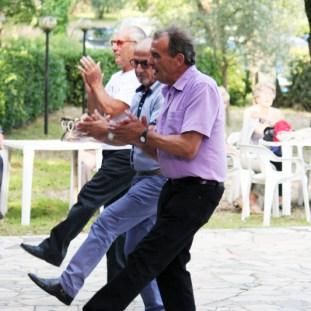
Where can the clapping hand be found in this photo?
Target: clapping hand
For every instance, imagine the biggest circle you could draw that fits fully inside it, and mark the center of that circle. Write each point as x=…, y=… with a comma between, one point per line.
x=129, y=129
x=91, y=73
x=94, y=125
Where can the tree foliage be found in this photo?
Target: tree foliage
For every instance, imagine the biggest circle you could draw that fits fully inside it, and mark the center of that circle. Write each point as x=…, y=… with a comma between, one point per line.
x=308, y=12
x=18, y=10
x=25, y=11
x=255, y=31
x=142, y=5
x=59, y=9
x=101, y=7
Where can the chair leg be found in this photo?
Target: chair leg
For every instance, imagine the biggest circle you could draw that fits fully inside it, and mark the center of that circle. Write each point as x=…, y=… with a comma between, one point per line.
x=275, y=206
x=300, y=198
x=268, y=201
x=236, y=187
x=245, y=191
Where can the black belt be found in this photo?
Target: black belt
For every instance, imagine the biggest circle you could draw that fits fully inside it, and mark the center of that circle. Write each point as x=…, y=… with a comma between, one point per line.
x=195, y=181
x=149, y=173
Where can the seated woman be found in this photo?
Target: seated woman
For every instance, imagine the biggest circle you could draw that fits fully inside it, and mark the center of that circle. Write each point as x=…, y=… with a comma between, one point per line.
x=258, y=117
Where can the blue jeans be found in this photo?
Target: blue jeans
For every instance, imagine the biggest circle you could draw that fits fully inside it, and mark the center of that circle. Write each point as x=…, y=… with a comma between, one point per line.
x=134, y=213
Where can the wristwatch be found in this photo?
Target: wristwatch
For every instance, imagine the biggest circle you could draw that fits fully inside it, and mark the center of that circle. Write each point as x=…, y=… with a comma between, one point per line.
x=143, y=136
x=110, y=136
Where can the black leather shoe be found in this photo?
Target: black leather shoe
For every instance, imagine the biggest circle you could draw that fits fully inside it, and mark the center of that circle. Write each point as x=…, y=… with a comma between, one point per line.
x=39, y=252
x=52, y=287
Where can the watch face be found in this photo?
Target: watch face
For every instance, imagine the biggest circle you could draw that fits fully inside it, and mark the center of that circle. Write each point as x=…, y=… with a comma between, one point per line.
x=110, y=136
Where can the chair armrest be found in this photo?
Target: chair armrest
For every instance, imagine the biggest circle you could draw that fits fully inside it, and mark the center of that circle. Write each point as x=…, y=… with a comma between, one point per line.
x=270, y=143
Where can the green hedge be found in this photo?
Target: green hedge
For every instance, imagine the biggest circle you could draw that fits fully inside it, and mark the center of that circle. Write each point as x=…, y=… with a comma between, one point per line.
x=22, y=75
x=73, y=77
x=22, y=85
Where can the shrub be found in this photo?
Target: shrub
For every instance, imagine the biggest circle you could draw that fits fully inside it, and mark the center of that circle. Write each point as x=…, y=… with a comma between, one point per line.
x=209, y=63
x=75, y=84
x=299, y=94
x=22, y=87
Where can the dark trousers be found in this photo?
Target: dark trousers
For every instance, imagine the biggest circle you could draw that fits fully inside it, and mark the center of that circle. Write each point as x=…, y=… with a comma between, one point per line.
x=164, y=252
x=111, y=181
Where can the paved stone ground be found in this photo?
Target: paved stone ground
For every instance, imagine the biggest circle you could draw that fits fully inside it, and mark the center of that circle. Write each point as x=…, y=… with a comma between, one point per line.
x=233, y=270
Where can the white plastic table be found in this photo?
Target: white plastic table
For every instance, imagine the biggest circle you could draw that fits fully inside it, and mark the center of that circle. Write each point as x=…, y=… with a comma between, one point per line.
x=29, y=147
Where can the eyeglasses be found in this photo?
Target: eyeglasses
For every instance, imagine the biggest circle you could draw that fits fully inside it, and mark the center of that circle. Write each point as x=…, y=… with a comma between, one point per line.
x=120, y=42
x=143, y=63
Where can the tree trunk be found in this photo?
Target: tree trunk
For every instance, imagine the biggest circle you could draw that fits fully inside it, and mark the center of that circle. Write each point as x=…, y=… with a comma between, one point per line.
x=224, y=71
x=100, y=13
x=308, y=12
x=224, y=75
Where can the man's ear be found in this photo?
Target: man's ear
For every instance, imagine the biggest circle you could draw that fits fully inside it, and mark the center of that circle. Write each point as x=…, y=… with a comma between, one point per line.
x=180, y=59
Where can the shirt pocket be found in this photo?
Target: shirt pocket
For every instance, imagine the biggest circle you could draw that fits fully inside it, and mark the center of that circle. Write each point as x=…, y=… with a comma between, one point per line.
x=174, y=122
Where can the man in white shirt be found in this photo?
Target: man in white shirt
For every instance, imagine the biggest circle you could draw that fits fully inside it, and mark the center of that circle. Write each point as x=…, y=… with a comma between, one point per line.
x=114, y=177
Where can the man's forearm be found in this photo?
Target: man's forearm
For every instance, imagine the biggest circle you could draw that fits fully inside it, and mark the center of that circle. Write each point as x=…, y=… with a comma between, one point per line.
x=91, y=103
x=184, y=145
x=106, y=103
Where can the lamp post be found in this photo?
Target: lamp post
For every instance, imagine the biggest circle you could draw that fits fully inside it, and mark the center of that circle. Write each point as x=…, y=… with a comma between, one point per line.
x=2, y=20
x=46, y=23
x=84, y=25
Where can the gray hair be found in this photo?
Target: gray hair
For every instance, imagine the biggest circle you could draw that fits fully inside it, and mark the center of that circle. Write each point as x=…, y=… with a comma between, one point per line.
x=179, y=42
x=134, y=33
x=262, y=86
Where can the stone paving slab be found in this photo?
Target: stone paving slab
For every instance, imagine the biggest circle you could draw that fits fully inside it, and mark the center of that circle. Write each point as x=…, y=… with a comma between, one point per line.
x=265, y=269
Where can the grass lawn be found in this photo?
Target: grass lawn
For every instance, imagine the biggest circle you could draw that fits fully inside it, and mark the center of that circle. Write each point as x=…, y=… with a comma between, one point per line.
x=52, y=178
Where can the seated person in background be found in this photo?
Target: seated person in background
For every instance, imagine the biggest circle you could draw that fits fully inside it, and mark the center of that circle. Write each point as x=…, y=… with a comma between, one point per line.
x=258, y=117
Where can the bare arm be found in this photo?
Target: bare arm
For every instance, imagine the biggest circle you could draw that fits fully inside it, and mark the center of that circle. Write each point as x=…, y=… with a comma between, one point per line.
x=97, y=126
x=92, y=75
x=91, y=98
x=185, y=145
x=107, y=104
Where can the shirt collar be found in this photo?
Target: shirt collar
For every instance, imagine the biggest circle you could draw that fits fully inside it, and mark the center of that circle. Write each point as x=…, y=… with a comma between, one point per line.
x=181, y=81
x=151, y=89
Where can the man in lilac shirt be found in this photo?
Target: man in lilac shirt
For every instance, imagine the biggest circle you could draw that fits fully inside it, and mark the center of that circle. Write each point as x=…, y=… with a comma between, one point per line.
x=189, y=144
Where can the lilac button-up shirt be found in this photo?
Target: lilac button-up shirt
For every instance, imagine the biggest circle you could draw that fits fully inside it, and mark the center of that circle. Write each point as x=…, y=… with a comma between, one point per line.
x=193, y=103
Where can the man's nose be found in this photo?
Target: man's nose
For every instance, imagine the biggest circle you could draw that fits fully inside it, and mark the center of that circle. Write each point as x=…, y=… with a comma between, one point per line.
x=115, y=48
x=139, y=68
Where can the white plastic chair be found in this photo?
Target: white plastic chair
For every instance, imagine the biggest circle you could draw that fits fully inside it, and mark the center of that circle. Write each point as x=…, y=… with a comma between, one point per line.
x=298, y=138
x=233, y=174
x=233, y=169
x=233, y=139
x=270, y=177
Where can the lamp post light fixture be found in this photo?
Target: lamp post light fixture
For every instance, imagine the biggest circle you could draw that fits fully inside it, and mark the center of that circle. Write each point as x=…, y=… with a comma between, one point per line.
x=2, y=20
x=84, y=25
x=46, y=23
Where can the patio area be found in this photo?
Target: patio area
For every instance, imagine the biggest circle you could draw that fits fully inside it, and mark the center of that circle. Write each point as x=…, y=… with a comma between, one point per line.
x=265, y=269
